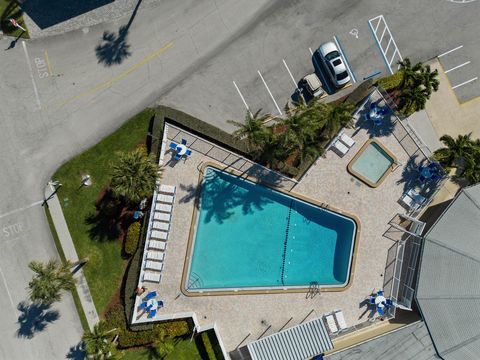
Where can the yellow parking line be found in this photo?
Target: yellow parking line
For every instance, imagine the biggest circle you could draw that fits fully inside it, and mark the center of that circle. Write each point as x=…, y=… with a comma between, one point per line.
x=49, y=65
x=109, y=83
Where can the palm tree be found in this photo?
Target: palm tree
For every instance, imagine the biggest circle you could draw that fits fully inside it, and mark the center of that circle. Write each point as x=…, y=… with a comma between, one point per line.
x=339, y=116
x=429, y=79
x=98, y=345
x=411, y=74
x=164, y=346
x=472, y=168
x=455, y=150
x=134, y=176
x=254, y=131
x=413, y=99
x=49, y=280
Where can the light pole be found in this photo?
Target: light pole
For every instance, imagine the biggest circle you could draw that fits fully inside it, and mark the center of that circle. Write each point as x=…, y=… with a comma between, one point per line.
x=54, y=185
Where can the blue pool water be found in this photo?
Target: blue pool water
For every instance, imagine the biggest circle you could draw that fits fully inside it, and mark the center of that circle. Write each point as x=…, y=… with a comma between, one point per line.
x=248, y=235
x=373, y=162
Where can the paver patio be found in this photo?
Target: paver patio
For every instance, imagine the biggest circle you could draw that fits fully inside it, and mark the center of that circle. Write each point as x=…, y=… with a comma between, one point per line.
x=244, y=318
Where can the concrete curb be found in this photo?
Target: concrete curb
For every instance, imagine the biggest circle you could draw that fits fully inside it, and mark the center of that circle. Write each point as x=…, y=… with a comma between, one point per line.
x=71, y=254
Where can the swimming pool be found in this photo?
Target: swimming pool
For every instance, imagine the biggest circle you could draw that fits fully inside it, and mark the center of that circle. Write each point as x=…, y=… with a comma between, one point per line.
x=251, y=237
x=372, y=163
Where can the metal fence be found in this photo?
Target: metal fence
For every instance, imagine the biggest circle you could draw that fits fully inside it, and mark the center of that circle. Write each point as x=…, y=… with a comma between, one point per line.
x=230, y=159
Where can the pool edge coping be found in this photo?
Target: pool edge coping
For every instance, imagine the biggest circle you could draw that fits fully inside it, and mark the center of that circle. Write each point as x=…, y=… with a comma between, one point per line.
x=186, y=264
x=360, y=152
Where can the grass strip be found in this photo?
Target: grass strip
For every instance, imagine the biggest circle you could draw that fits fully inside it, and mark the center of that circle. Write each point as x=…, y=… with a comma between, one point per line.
x=58, y=245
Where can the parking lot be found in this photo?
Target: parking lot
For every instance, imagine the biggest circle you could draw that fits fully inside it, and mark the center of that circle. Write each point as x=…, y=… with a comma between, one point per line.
x=273, y=87
x=460, y=69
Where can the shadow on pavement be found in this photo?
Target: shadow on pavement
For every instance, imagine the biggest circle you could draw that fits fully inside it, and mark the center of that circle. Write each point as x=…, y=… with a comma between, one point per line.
x=114, y=48
x=76, y=352
x=46, y=13
x=34, y=318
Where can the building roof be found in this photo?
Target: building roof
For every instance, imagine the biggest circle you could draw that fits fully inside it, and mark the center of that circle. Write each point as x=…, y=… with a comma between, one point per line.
x=296, y=343
x=448, y=291
x=410, y=342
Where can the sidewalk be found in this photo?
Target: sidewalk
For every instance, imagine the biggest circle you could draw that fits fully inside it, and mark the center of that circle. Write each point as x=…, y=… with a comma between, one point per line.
x=71, y=254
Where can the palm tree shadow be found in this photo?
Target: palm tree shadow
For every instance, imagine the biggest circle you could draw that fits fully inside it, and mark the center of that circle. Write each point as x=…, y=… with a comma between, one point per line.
x=385, y=127
x=34, y=318
x=114, y=48
x=76, y=352
x=411, y=177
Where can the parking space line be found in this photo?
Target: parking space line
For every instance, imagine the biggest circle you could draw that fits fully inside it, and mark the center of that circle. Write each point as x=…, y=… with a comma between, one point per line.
x=37, y=97
x=379, y=21
x=243, y=99
x=449, y=51
x=345, y=60
x=457, y=67
x=383, y=34
x=291, y=76
x=271, y=95
x=464, y=83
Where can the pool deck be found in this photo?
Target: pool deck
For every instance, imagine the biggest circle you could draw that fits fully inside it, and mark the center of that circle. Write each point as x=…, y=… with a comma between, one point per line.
x=241, y=319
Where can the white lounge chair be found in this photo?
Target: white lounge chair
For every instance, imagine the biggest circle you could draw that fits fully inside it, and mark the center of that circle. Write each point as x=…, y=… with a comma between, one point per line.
x=160, y=225
x=155, y=255
x=167, y=189
x=342, y=324
x=165, y=198
x=163, y=207
x=159, y=216
x=152, y=276
x=347, y=140
x=342, y=149
x=331, y=323
x=155, y=244
x=159, y=235
x=154, y=265
x=419, y=199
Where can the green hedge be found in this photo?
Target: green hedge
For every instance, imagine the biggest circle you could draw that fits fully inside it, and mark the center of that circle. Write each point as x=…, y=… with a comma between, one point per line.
x=392, y=81
x=131, y=242
x=360, y=92
x=209, y=345
x=198, y=127
x=115, y=318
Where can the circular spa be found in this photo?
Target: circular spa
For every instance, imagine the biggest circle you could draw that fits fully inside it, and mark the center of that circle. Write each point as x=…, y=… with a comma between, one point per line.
x=250, y=238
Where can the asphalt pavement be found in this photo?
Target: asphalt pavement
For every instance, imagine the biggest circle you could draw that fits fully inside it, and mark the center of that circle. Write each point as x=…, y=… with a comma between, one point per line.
x=62, y=94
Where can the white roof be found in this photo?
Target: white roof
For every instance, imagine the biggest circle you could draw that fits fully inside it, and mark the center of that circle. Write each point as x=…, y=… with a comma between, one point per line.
x=296, y=343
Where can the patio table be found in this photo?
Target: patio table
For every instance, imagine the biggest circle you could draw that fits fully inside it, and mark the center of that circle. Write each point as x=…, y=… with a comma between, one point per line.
x=379, y=300
x=181, y=149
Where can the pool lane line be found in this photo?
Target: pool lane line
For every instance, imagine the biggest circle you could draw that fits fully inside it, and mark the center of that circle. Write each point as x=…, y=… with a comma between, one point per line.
x=345, y=59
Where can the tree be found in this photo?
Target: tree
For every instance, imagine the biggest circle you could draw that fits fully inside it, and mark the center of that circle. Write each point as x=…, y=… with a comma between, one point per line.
x=472, y=168
x=98, y=345
x=413, y=99
x=164, y=347
x=455, y=150
x=134, y=176
x=338, y=116
x=49, y=280
x=254, y=132
x=429, y=79
x=411, y=74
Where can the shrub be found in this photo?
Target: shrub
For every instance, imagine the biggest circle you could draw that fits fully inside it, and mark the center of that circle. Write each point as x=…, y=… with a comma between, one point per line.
x=208, y=346
x=361, y=92
x=392, y=81
x=131, y=242
x=177, y=328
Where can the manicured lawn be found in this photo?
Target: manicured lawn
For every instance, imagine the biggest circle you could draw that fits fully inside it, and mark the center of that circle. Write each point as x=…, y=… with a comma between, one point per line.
x=105, y=267
x=10, y=9
x=184, y=350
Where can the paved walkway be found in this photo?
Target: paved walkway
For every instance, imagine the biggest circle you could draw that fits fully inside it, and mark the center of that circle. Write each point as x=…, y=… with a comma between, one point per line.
x=71, y=254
